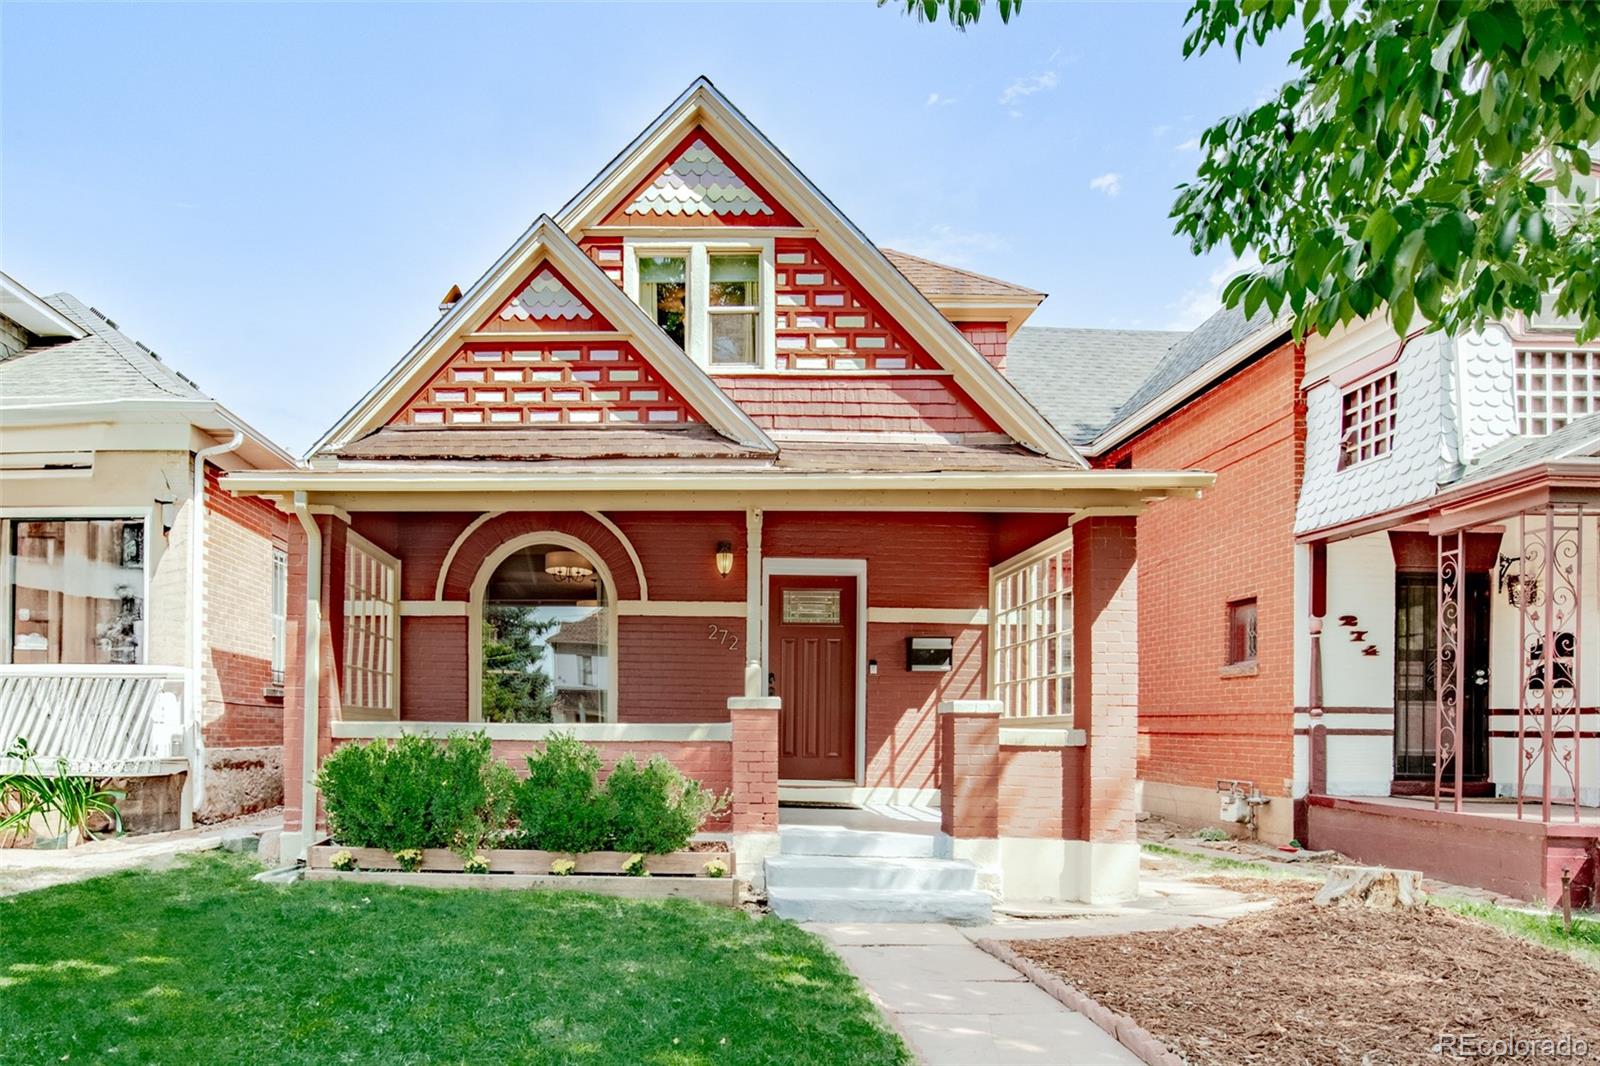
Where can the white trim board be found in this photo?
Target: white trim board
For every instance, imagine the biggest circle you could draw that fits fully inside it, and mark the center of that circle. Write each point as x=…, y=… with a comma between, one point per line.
x=781, y=566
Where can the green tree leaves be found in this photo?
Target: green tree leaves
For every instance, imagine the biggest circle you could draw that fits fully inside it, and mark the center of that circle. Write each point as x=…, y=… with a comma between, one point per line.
x=960, y=13
x=1431, y=156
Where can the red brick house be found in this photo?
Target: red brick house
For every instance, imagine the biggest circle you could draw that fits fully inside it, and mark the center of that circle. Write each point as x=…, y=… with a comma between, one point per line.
x=1375, y=622
x=820, y=546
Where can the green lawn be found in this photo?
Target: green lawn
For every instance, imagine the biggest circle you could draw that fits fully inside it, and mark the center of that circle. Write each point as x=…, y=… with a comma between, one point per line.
x=200, y=965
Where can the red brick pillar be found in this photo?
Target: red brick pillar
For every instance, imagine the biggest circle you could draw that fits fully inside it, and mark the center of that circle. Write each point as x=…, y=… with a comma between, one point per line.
x=969, y=769
x=1105, y=642
x=755, y=763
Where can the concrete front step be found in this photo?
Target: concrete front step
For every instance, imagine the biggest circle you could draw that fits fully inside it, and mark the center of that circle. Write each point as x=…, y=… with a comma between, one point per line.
x=969, y=907
x=837, y=840
x=873, y=872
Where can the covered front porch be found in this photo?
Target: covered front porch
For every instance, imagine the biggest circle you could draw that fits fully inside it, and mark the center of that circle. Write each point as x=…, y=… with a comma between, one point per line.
x=1485, y=767
x=779, y=637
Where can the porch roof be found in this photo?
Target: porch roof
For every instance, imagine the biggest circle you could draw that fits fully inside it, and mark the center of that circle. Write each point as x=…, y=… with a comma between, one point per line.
x=816, y=476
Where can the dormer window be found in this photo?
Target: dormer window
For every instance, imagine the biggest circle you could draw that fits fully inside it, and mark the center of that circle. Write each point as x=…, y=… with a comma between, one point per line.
x=713, y=297
x=1366, y=426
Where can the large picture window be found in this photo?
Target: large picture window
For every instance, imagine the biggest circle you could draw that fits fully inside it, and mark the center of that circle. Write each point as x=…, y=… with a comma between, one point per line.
x=546, y=638
x=76, y=590
x=1031, y=638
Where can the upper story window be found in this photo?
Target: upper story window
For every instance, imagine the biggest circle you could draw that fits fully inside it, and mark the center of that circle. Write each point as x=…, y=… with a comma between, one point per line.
x=713, y=297
x=1366, y=427
x=1554, y=388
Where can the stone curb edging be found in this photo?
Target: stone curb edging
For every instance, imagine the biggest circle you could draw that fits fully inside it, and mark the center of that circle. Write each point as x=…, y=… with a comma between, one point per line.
x=1127, y=1032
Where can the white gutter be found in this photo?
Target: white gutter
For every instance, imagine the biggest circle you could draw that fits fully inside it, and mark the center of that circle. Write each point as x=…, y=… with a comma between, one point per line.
x=197, y=599
x=311, y=676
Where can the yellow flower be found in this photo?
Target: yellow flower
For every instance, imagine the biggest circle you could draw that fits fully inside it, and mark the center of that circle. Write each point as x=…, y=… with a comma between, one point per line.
x=716, y=868
x=563, y=867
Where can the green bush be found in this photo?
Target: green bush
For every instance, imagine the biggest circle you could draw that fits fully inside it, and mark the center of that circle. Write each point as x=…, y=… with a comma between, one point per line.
x=561, y=806
x=656, y=809
x=415, y=792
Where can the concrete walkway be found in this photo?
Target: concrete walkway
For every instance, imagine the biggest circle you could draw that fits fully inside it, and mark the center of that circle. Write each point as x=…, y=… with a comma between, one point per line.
x=27, y=869
x=957, y=1005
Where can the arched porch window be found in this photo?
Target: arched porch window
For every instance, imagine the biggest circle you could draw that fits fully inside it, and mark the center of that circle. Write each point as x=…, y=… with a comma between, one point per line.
x=547, y=638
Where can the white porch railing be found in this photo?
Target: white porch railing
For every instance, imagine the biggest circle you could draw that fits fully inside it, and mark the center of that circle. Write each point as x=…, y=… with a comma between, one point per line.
x=103, y=720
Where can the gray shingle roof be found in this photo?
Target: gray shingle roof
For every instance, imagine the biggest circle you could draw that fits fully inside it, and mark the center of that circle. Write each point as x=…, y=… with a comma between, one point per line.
x=1079, y=378
x=1210, y=339
x=106, y=365
x=1575, y=439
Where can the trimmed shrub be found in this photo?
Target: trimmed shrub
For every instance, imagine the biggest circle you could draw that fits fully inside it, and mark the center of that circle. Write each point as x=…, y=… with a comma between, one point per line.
x=415, y=792
x=561, y=806
x=656, y=809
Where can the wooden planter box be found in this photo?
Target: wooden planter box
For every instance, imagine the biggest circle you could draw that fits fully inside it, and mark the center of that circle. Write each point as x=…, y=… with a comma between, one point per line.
x=679, y=874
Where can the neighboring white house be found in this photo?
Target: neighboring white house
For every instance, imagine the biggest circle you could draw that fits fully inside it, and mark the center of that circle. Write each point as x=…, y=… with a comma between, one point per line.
x=103, y=450
x=1456, y=475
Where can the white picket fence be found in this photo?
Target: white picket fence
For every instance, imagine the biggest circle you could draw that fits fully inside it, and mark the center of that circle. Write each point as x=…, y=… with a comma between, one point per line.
x=105, y=721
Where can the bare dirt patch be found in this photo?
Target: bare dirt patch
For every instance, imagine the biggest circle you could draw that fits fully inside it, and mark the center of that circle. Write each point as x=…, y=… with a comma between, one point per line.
x=1302, y=984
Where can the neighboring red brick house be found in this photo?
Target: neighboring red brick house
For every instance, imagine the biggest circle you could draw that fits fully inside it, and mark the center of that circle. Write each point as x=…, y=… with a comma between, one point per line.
x=104, y=659
x=770, y=468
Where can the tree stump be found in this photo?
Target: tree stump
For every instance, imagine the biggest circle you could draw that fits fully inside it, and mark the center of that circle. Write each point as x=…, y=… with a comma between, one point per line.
x=1372, y=886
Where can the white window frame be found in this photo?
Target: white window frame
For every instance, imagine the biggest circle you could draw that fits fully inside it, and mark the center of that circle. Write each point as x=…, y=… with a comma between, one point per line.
x=480, y=588
x=1385, y=427
x=697, y=312
x=154, y=543
x=355, y=542
x=1003, y=654
x=1531, y=423
x=278, y=656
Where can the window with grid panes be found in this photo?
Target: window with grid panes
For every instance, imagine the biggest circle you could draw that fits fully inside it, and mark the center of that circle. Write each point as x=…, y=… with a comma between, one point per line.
x=1555, y=387
x=371, y=632
x=1366, y=427
x=1031, y=638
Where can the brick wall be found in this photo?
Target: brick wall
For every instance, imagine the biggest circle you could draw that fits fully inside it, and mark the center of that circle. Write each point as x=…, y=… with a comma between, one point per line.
x=1236, y=542
x=1039, y=789
x=241, y=532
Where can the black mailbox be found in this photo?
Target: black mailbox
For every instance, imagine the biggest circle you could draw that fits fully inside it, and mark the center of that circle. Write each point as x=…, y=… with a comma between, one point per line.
x=930, y=654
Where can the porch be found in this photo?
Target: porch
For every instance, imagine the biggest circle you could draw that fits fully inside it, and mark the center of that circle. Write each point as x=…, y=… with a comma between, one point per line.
x=1452, y=723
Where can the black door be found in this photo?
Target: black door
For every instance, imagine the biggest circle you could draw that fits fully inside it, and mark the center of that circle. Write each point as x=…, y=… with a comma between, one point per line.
x=1416, y=652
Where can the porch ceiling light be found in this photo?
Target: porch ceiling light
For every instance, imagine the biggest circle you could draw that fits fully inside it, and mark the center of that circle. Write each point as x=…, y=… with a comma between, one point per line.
x=724, y=557
x=568, y=566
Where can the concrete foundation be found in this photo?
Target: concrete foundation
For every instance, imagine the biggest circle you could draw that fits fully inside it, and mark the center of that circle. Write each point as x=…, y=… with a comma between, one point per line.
x=1196, y=806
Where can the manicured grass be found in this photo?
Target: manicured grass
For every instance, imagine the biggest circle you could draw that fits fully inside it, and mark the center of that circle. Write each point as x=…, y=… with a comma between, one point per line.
x=199, y=964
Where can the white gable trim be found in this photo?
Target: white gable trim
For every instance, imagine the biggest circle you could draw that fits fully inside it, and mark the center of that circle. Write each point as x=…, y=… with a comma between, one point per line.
x=702, y=103
x=493, y=288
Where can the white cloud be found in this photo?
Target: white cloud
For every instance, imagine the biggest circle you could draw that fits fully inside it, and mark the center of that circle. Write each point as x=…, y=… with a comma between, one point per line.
x=1109, y=183
x=1197, y=304
x=1021, y=87
x=946, y=244
x=1191, y=145
x=936, y=100
x=1160, y=131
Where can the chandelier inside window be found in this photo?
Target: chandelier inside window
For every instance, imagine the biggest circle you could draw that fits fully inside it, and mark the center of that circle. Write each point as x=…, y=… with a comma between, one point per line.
x=568, y=566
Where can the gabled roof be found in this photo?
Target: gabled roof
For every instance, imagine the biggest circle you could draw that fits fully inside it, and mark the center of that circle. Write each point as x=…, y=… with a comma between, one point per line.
x=1080, y=378
x=542, y=241
x=105, y=374
x=936, y=279
x=702, y=104
x=1194, y=363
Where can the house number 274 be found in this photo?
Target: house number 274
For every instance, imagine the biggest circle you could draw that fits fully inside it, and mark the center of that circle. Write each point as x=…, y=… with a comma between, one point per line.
x=723, y=636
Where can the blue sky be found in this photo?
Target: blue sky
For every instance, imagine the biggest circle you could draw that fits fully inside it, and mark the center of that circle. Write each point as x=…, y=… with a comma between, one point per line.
x=275, y=197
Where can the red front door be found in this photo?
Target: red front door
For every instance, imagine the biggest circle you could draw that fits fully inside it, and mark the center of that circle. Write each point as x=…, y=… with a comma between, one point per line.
x=812, y=647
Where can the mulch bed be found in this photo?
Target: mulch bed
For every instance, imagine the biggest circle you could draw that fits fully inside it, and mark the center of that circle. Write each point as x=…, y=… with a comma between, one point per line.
x=1303, y=984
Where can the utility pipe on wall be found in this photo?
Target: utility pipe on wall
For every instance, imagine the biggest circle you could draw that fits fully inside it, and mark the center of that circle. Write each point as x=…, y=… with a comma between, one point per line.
x=197, y=594
x=311, y=676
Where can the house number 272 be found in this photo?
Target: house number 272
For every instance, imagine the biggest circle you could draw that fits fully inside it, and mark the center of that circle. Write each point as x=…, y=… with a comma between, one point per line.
x=723, y=636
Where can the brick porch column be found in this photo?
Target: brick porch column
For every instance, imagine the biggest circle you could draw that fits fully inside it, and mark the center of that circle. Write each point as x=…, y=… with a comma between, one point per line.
x=755, y=763
x=1105, y=643
x=969, y=769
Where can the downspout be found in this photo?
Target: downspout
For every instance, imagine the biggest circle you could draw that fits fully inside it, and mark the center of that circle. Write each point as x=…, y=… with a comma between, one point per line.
x=311, y=676
x=197, y=594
